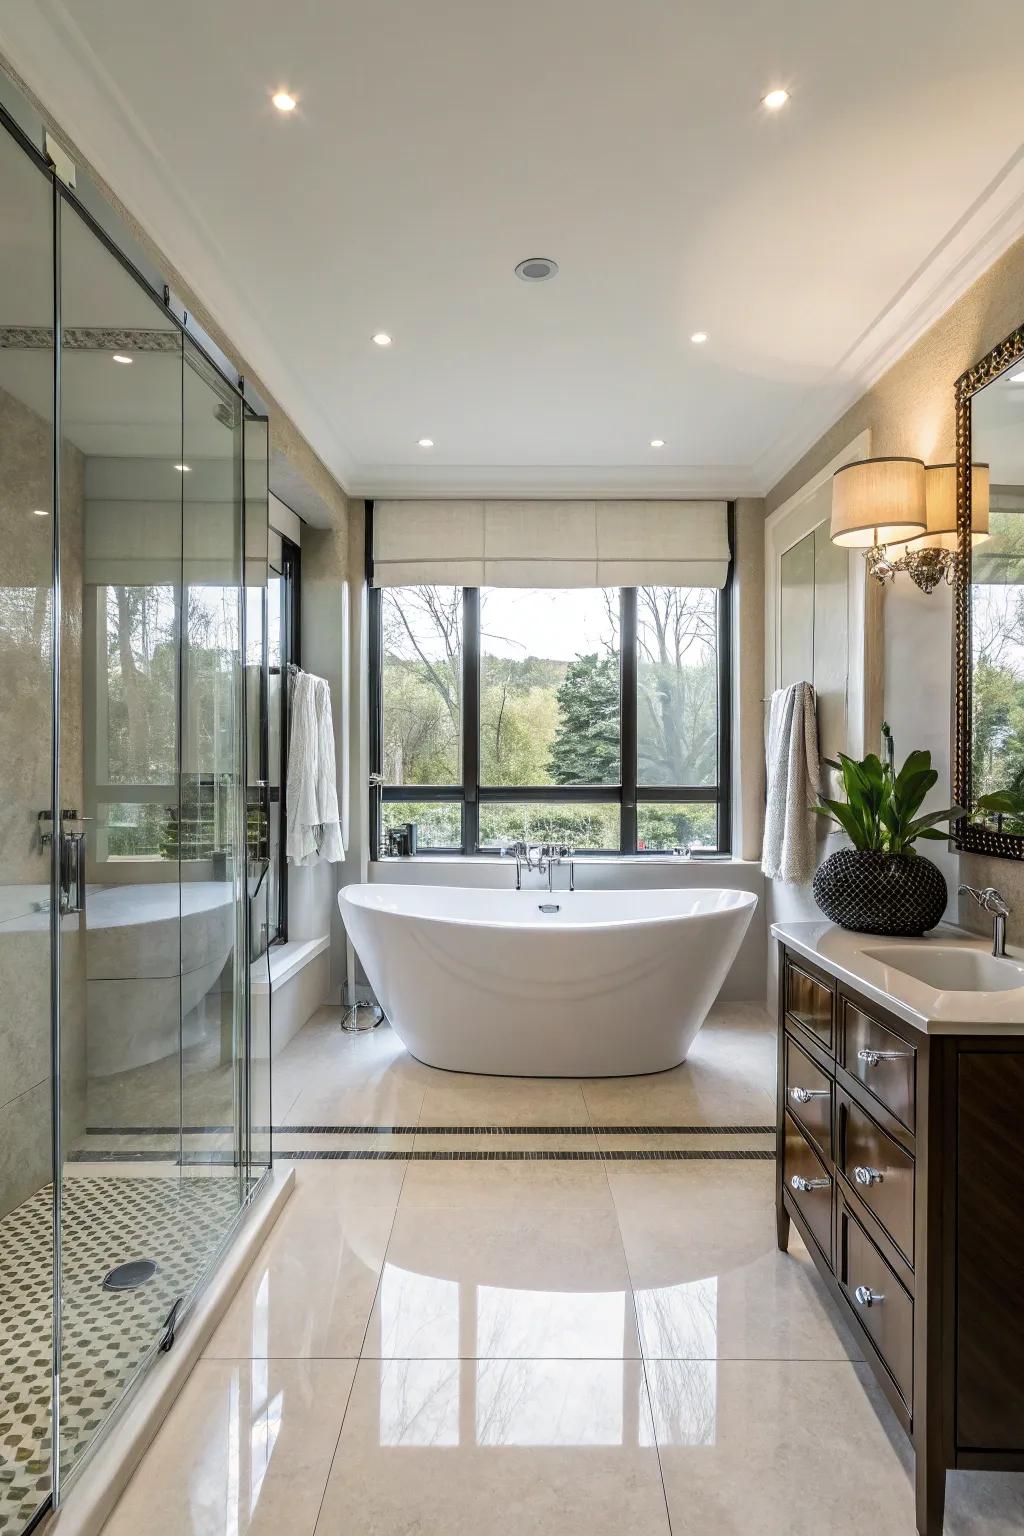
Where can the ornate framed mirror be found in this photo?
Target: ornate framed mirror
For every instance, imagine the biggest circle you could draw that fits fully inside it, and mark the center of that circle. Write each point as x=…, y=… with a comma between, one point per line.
x=988, y=769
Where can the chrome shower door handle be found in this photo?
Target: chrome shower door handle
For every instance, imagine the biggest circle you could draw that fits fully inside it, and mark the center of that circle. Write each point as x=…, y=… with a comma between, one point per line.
x=72, y=872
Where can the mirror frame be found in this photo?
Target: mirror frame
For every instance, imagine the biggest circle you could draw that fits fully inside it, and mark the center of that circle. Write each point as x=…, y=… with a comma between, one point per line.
x=968, y=837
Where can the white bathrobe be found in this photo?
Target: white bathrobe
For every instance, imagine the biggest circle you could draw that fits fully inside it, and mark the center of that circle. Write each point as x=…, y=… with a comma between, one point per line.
x=794, y=779
x=314, y=825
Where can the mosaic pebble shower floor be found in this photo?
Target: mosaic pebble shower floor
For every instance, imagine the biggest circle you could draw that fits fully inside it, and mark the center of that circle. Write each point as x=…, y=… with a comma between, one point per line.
x=177, y=1221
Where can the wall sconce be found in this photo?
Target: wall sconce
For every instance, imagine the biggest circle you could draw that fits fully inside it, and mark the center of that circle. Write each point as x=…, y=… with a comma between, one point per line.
x=887, y=505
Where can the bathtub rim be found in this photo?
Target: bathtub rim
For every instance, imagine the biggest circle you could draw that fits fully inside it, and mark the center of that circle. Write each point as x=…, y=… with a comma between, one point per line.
x=745, y=900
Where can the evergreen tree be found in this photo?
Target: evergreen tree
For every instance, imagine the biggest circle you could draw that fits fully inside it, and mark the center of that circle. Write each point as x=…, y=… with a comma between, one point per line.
x=586, y=745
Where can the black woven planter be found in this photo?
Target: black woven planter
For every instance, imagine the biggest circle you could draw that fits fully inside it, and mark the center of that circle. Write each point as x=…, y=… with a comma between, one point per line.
x=900, y=894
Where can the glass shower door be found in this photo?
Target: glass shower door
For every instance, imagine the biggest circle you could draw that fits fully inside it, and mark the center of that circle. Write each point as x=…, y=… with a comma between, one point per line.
x=152, y=943
x=27, y=1255
x=212, y=840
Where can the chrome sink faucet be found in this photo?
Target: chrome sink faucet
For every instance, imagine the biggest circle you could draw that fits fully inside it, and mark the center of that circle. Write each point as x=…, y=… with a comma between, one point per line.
x=989, y=900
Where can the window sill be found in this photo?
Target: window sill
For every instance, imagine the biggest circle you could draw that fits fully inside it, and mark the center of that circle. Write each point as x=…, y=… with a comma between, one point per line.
x=583, y=860
x=286, y=961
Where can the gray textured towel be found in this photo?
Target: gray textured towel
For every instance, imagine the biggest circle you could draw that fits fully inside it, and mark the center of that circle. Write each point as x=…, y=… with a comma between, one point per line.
x=794, y=778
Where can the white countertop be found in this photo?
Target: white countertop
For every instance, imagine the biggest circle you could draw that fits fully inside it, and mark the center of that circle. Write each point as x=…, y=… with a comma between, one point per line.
x=934, y=1012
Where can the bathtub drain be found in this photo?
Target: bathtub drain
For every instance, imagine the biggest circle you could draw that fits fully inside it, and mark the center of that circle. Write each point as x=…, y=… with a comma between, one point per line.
x=549, y=906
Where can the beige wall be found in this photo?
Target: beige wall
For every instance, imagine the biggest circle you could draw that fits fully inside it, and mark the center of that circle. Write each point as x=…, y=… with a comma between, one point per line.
x=911, y=411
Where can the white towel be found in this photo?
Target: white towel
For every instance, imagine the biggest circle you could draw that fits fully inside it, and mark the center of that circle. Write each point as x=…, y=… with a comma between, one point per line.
x=794, y=778
x=314, y=829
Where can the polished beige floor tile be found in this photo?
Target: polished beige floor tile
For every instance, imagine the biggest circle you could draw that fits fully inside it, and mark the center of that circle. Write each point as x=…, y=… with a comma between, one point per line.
x=311, y=1288
x=496, y=1448
x=686, y=1095
x=287, y=1141
x=505, y=1139
x=363, y=1100
x=460, y=1098
x=245, y=1451
x=692, y=1190
x=703, y=1143
x=718, y=1288
x=363, y=1181
x=772, y=1447
x=509, y=1186
x=531, y=1284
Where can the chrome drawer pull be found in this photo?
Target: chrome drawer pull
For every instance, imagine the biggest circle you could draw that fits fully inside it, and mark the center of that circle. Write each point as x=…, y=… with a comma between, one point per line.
x=806, y=1185
x=868, y=1176
x=805, y=1095
x=866, y=1297
x=872, y=1058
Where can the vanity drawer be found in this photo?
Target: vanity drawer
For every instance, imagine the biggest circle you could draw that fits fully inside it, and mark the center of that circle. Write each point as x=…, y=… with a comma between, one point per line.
x=809, y=1185
x=809, y=1097
x=882, y=1061
x=810, y=1002
x=879, y=1300
x=880, y=1171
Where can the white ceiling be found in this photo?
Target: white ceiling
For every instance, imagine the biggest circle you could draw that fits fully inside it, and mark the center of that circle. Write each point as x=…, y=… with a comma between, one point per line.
x=435, y=145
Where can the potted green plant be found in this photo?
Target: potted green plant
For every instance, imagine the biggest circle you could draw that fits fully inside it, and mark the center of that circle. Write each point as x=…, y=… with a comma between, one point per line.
x=882, y=884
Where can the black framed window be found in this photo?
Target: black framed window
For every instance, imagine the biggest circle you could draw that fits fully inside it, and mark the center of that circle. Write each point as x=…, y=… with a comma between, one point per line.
x=596, y=717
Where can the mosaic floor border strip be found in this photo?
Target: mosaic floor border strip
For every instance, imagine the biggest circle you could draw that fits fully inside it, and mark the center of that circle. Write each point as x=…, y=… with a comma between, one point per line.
x=559, y=1155
x=442, y=1130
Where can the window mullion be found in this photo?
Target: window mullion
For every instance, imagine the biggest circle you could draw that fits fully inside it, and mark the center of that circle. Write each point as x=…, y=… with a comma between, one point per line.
x=627, y=717
x=470, y=719
x=725, y=692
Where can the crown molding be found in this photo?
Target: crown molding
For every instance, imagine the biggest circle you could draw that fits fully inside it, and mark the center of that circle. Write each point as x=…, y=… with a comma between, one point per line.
x=992, y=223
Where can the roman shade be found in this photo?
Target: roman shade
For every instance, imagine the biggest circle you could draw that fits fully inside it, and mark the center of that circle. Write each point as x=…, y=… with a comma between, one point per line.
x=550, y=543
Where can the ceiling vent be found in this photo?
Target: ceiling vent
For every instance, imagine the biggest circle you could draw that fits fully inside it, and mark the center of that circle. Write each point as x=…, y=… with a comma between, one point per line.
x=536, y=269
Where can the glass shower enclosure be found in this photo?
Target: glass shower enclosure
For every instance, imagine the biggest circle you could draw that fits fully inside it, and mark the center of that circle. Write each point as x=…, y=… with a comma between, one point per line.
x=134, y=1104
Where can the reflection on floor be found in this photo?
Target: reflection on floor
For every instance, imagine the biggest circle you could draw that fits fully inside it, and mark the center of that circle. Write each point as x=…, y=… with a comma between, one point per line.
x=178, y=1222
x=598, y=1345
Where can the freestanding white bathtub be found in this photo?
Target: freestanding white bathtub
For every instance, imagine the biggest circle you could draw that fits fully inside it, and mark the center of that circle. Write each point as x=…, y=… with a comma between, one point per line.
x=519, y=983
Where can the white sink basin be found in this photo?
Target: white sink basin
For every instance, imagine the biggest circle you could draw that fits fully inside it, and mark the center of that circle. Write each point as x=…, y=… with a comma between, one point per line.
x=951, y=967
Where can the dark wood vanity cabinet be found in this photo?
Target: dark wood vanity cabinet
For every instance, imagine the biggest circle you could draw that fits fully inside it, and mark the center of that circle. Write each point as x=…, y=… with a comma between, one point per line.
x=901, y=1161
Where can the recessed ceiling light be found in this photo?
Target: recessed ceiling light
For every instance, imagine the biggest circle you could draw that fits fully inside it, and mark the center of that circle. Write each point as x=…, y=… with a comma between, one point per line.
x=775, y=99
x=284, y=101
x=122, y=357
x=381, y=338
x=537, y=269
x=657, y=442
x=183, y=469
x=40, y=512
x=699, y=338
x=424, y=442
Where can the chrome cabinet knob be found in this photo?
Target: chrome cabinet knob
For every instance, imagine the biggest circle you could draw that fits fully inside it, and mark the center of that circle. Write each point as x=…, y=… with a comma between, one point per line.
x=868, y=1176
x=872, y=1058
x=806, y=1185
x=866, y=1297
x=805, y=1095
